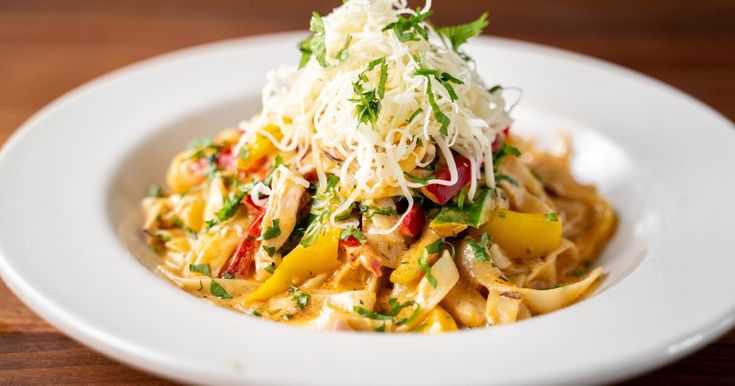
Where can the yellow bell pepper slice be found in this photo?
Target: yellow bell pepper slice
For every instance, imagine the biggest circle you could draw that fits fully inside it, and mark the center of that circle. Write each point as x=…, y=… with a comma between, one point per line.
x=524, y=235
x=437, y=321
x=261, y=147
x=300, y=264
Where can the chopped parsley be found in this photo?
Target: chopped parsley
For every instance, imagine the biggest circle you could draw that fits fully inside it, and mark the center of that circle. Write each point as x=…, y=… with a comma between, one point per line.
x=418, y=180
x=321, y=208
x=367, y=102
x=480, y=248
x=228, y=275
x=230, y=206
x=505, y=150
x=317, y=46
x=369, y=211
x=269, y=250
x=203, y=268
x=551, y=217
x=272, y=231
x=407, y=28
x=460, y=34
x=217, y=290
x=270, y=268
x=395, y=308
x=301, y=299
x=414, y=115
x=423, y=261
x=444, y=78
x=440, y=117
x=354, y=232
x=256, y=313
x=155, y=191
x=163, y=236
x=278, y=162
x=364, y=312
x=494, y=89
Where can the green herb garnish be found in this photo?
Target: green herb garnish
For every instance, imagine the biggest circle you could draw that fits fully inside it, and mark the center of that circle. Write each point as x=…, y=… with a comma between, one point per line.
x=217, y=290
x=155, y=191
x=460, y=34
x=414, y=115
x=269, y=250
x=480, y=249
x=407, y=28
x=494, y=89
x=301, y=299
x=203, y=268
x=270, y=268
x=354, y=232
x=551, y=217
x=272, y=231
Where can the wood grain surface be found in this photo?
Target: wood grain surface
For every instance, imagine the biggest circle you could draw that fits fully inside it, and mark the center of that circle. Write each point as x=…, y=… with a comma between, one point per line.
x=48, y=47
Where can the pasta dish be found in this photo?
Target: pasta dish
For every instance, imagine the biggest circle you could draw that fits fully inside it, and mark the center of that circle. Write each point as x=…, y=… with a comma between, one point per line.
x=380, y=189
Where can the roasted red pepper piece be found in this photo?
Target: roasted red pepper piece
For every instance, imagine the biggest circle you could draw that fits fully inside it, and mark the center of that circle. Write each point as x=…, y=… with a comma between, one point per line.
x=242, y=260
x=440, y=194
x=412, y=223
x=350, y=241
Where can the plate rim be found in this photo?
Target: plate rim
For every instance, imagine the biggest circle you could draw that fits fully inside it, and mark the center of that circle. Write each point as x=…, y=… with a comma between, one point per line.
x=122, y=351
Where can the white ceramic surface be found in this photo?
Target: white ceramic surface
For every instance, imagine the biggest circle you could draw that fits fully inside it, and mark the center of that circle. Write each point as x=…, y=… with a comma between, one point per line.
x=71, y=178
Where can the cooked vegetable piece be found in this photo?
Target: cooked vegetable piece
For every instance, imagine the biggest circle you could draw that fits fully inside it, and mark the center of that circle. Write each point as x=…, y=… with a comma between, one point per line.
x=302, y=263
x=524, y=235
x=441, y=194
x=471, y=214
x=261, y=147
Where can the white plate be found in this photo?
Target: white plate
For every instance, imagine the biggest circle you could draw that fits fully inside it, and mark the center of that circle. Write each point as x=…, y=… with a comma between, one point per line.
x=73, y=175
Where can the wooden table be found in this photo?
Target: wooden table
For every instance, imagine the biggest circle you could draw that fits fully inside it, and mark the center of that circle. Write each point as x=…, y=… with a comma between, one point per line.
x=48, y=47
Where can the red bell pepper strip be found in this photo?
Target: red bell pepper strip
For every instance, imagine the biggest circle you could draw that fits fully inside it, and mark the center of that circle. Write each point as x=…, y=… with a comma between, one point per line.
x=440, y=194
x=242, y=261
x=412, y=223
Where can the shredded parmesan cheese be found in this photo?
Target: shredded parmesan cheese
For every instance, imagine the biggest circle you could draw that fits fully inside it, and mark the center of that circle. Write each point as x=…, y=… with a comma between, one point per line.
x=315, y=109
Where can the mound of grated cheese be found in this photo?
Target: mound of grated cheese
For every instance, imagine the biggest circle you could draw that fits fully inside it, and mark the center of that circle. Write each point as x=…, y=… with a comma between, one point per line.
x=314, y=108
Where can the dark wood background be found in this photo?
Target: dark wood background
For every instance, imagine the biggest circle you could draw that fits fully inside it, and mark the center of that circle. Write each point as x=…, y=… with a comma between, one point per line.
x=50, y=46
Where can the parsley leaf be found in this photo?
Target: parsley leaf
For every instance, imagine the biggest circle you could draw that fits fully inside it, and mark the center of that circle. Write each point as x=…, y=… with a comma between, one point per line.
x=321, y=209
x=480, y=249
x=407, y=28
x=494, y=89
x=270, y=268
x=371, y=314
x=367, y=103
x=230, y=206
x=354, y=232
x=414, y=115
x=301, y=299
x=551, y=217
x=418, y=180
x=217, y=290
x=155, y=191
x=316, y=44
x=272, y=231
x=203, y=268
x=423, y=261
x=460, y=34
x=269, y=250
x=371, y=211
x=505, y=150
